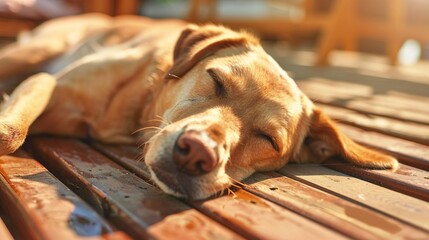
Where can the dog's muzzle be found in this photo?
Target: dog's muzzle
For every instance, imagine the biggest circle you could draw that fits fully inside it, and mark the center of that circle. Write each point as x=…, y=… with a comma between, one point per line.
x=188, y=163
x=194, y=153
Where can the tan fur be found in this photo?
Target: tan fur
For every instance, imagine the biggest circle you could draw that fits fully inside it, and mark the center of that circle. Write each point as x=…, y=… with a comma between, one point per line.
x=161, y=79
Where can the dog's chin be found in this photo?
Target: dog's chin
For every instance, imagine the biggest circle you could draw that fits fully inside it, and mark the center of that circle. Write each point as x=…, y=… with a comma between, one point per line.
x=189, y=187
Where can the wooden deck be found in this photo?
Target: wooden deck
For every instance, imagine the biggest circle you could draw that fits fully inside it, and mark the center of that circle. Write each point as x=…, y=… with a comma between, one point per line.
x=58, y=188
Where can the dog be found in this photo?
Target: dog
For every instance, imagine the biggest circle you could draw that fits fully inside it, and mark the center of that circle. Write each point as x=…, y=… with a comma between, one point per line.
x=209, y=104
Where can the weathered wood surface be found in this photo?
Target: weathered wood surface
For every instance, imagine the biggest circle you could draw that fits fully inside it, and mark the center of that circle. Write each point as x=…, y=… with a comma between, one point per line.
x=408, y=180
x=124, y=198
x=361, y=98
x=349, y=218
x=232, y=209
x=406, y=130
x=397, y=114
x=41, y=203
x=112, y=180
x=400, y=206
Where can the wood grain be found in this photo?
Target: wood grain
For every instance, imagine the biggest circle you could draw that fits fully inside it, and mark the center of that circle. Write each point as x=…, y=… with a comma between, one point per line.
x=412, y=131
x=351, y=219
x=400, y=206
x=408, y=180
x=131, y=203
x=262, y=219
x=361, y=98
x=47, y=207
x=246, y=213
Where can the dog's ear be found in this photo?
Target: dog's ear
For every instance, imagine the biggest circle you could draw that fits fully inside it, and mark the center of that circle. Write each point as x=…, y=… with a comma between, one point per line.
x=198, y=42
x=324, y=141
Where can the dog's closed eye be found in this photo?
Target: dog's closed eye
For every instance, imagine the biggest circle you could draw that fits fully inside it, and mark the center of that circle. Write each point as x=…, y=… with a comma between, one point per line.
x=269, y=139
x=220, y=88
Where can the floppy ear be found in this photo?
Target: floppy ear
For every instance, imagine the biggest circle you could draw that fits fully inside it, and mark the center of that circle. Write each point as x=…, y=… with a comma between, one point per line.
x=324, y=141
x=196, y=43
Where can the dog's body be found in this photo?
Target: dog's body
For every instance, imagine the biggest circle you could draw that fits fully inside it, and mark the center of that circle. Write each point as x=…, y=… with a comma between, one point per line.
x=208, y=102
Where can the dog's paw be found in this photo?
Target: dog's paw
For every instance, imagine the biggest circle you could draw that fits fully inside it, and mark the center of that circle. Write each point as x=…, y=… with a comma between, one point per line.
x=11, y=138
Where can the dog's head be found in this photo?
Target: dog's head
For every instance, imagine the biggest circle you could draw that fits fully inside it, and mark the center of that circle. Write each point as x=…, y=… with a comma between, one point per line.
x=230, y=110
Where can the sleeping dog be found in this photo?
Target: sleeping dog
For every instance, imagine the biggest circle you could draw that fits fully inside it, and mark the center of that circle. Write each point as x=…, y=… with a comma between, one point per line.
x=209, y=104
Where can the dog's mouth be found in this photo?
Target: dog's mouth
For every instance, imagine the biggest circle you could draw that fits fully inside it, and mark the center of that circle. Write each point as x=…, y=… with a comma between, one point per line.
x=184, y=186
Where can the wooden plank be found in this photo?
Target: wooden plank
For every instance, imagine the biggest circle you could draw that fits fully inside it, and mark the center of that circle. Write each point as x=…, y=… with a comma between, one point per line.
x=262, y=219
x=48, y=208
x=408, y=180
x=125, y=155
x=383, y=106
x=410, y=153
x=400, y=206
x=349, y=218
x=4, y=232
x=411, y=131
x=361, y=98
x=124, y=198
x=242, y=211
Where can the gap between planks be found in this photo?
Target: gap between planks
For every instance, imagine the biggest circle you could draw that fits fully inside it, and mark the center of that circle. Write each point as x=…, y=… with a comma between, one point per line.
x=37, y=203
x=125, y=199
x=391, y=203
x=241, y=210
x=300, y=198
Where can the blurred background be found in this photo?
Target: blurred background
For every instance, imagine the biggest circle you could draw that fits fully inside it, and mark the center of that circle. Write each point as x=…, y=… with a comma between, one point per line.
x=396, y=29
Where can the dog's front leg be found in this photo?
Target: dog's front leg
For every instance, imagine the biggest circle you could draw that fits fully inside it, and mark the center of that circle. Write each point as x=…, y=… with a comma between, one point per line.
x=19, y=110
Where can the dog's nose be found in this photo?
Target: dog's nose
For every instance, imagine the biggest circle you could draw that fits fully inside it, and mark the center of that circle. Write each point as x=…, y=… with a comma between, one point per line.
x=194, y=154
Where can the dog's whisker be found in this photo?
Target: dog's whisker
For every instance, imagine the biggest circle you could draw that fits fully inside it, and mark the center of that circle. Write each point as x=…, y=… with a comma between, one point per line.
x=230, y=192
x=146, y=128
x=161, y=118
x=174, y=76
x=221, y=193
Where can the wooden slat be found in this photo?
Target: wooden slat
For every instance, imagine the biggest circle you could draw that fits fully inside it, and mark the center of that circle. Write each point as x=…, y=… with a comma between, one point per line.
x=244, y=212
x=48, y=209
x=361, y=98
x=4, y=232
x=383, y=106
x=400, y=206
x=410, y=153
x=411, y=131
x=334, y=212
x=124, y=198
x=125, y=155
x=262, y=219
x=408, y=180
